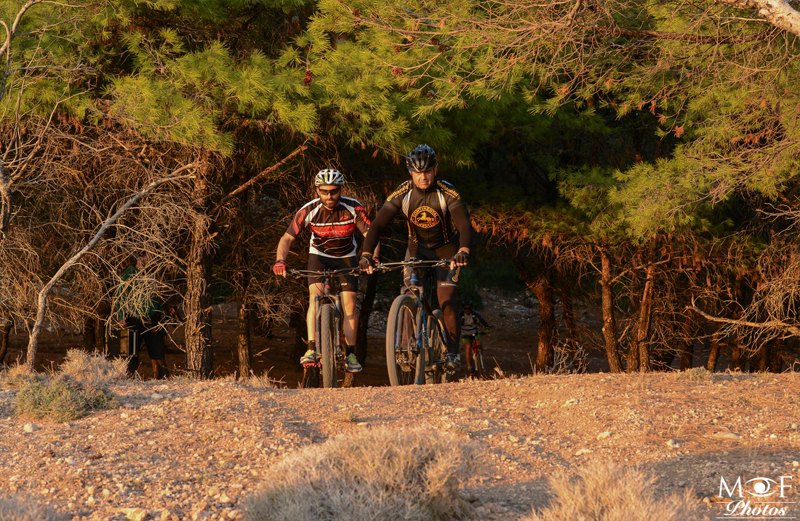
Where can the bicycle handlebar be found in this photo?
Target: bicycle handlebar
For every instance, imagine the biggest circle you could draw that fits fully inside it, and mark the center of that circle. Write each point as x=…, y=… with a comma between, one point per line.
x=328, y=273
x=388, y=266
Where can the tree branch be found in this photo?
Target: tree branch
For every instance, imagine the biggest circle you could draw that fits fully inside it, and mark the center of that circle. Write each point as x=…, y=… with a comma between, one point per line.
x=261, y=175
x=41, y=300
x=777, y=12
x=761, y=325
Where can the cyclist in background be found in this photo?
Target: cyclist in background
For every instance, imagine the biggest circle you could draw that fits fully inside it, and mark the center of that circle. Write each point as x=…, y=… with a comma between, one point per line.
x=333, y=220
x=469, y=329
x=438, y=228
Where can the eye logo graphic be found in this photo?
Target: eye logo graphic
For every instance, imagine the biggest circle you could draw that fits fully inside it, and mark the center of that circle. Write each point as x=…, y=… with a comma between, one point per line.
x=761, y=487
x=756, y=498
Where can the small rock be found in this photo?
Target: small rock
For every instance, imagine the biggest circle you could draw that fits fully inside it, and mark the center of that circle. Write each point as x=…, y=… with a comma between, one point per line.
x=233, y=514
x=513, y=439
x=90, y=490
x=223, y=498
x=123, y=415
x=361, y=424
x=165, y=514
x=134, y=514
x=604, y=435
x=213, y=491
x=681, y=483
x=725, y=435
x=156, y=396
x=581, y=452
x=773, y=436
x=70, y=461
x=673, y=444
x=201, y=516
x=796, y=464
x=30, y=427
x=461, y=409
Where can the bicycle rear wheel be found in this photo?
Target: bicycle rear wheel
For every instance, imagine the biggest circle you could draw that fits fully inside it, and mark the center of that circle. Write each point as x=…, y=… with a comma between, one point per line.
x=327, y=330
x=405, y=362
x=437, y=340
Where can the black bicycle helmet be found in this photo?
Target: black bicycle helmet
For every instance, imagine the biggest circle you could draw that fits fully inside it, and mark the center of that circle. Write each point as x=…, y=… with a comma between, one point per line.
x=421, y=159
x=468, y=303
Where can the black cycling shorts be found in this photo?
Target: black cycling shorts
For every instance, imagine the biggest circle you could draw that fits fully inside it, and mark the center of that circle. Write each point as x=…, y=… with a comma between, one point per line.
x=445, y=277
x=349, y=282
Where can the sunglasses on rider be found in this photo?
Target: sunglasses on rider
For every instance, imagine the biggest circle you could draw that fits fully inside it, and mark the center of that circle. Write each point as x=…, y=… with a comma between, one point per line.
x=334, y=191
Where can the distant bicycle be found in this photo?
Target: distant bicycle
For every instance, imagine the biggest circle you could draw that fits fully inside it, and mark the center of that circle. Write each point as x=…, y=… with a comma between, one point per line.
x=328, y=330
x=474, y=348
x=416, y=337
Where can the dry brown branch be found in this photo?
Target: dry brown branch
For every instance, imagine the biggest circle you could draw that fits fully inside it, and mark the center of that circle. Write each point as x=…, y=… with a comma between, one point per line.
x=45, y=291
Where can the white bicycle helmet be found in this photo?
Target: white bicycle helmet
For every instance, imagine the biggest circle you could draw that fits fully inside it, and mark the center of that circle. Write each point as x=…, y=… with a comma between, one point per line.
x=329, y=176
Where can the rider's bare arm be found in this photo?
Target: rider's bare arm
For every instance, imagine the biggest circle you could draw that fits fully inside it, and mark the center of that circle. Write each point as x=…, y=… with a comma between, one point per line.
x=283, y=250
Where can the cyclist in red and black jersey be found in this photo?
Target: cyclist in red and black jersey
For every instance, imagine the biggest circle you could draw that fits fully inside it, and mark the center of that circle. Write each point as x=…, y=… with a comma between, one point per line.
x=332, y=220
x=438, y=228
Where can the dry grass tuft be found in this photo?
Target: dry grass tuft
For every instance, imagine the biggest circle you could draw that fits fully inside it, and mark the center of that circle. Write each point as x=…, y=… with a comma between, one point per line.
x=378, y=473
x=602, y=493
x=93, y=368
x=16, y=508
x=14, y=376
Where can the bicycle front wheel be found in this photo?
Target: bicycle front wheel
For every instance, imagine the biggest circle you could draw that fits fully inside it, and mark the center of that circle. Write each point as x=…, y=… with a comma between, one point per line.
x=477, y=362
x=327, y=350
x=405, y=362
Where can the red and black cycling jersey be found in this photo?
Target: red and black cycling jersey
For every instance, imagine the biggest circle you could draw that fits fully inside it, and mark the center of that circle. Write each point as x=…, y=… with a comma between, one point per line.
x=436, y=216
x=332, y=231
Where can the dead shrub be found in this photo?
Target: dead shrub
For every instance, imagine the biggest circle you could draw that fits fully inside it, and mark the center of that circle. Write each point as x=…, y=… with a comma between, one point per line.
x=379, y=473
x=93, y=368
x=16, y=508
x=601, y=493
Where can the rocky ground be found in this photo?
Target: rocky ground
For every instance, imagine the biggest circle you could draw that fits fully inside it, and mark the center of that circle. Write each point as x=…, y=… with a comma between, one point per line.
x=192, y=450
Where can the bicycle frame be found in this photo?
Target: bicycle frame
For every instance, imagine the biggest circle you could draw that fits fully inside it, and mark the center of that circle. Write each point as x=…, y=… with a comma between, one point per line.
x=423, y=341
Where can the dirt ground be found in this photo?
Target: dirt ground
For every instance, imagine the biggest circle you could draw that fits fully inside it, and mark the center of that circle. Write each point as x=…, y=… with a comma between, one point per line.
x=192, y=450
x=183, y=450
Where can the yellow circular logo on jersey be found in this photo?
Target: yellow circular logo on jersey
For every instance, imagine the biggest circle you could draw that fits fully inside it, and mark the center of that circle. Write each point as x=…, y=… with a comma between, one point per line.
x=425, y=217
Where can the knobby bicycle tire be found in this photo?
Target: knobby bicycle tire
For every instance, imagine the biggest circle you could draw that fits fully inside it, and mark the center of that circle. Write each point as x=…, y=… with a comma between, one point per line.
x=438, y=337
x=327, y=330
x=401, y=330
x=477, y=362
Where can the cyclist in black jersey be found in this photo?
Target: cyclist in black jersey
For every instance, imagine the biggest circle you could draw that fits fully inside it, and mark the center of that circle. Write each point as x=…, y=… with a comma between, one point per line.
x=438, y=227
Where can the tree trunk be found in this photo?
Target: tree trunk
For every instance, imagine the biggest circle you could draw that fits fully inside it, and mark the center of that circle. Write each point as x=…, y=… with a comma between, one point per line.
x=244, y=348
x=776, y=355
x=199, y=350
x=738, y=359
x=541, y=287
x=713, y=354
x=89, y=333
x=4, y=342
x=645, y=317
x=363, y=318
x=242, y=280
x=609, y=325
x=687, y=341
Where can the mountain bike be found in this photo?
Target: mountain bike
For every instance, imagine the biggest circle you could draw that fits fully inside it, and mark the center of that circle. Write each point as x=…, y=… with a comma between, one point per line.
x=474, y=352
x=416, y=337
x=328, y=330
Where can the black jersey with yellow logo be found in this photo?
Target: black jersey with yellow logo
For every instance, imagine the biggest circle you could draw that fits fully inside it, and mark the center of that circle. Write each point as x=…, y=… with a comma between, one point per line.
x=436, y=216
